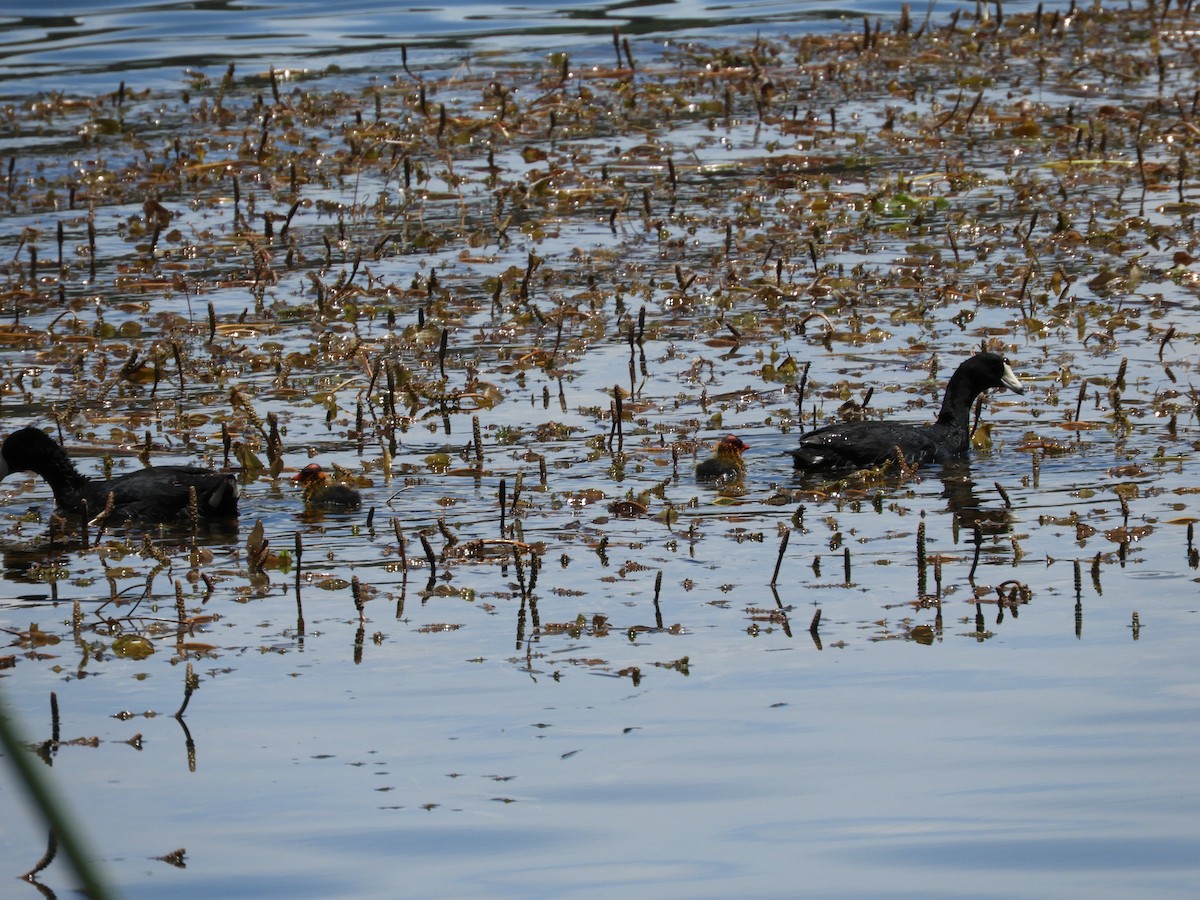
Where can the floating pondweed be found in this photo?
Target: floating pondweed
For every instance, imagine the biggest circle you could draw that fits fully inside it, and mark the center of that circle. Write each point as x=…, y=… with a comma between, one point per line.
x=511, y=302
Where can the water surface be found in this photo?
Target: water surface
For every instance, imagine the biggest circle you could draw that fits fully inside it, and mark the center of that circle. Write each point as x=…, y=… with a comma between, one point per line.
x=639, y=711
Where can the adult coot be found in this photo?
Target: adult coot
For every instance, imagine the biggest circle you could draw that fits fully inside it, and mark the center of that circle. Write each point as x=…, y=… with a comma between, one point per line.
x=157, y=494
x=726, y=462
x=321, y=491
x=857, y=445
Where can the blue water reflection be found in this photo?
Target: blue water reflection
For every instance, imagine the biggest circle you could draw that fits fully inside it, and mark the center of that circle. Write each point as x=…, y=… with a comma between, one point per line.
x=445, y=756
x=149, y=45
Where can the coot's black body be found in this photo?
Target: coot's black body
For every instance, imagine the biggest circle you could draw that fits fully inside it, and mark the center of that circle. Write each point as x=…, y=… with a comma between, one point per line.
x=322, y=492
x=157, y=494
x=859, y=445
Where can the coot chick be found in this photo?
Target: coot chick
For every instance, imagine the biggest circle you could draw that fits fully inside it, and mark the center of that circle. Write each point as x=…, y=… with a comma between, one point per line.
x=859, y=445
x=320, y=490
x=156, y=494
x=726, y=462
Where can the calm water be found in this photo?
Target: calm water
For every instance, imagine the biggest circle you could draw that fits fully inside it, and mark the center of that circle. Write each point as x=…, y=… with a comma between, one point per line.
x=85, y=46
x=485, y=735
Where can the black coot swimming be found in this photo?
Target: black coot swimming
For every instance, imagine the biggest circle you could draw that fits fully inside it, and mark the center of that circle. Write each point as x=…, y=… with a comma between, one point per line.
x=726, y=462
x=858, y=445
x=156, y=494
x=321, y=491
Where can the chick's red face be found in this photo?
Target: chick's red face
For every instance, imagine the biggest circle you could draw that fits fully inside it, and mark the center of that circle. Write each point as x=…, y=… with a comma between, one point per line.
x=734, y=444
x=310, y=474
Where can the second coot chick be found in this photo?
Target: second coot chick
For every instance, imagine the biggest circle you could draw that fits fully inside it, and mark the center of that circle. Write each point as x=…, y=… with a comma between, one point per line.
x=321, y=491
x=156, y=494
x=859, y=445
x=726, y=462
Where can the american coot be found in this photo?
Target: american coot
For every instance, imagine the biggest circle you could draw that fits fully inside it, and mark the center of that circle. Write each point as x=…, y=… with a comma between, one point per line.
x=321, y=491
x=726, y=462
x=156, y=494
x=857, y=445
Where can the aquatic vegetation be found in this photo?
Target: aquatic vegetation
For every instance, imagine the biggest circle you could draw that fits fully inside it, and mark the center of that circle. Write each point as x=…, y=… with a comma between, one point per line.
x=512, y=302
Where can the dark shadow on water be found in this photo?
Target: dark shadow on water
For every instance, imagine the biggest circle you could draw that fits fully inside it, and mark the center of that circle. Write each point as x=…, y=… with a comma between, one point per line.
x=26, y=563
x=970, y=512
x=963, y=500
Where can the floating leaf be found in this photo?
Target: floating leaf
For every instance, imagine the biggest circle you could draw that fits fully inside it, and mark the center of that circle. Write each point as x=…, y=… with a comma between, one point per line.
x=35, y=637
x=132, y=646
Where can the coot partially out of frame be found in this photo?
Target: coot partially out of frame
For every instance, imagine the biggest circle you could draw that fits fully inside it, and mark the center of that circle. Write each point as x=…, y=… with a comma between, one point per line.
x=156, y=494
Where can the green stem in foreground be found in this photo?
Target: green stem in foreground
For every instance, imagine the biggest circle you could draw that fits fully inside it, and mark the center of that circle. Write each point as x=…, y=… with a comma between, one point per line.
x=44, y=797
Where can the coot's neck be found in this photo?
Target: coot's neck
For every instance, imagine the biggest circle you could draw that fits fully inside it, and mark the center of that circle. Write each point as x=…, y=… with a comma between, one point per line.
x=956, y=405
x=69, y=487
x=312, y=490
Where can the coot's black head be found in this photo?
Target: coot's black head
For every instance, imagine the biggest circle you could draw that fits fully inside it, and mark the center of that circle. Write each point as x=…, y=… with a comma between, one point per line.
x=27, y=450
x=986, y=371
